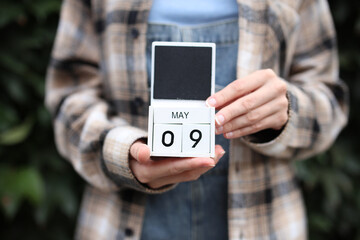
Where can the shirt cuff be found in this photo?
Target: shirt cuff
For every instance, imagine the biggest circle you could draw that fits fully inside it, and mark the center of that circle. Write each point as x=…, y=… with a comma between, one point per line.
x=116, y=151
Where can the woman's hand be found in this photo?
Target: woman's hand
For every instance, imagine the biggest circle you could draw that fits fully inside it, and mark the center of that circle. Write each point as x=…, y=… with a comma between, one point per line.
x=251, y=104
x=159, y=172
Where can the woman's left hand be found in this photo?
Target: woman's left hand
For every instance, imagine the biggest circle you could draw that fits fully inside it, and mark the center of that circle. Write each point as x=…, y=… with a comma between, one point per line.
x=251, y=104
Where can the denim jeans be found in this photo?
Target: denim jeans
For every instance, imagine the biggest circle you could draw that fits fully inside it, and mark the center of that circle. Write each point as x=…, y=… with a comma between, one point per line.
x=197, y=209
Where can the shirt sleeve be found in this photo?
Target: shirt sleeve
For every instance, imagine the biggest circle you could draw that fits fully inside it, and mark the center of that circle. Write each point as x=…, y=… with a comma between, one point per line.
x=87, y=133
x=318, y=105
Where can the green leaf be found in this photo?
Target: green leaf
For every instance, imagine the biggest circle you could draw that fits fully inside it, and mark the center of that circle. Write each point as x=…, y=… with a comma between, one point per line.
x=64, y=197
x=10, y=12
x=10, y=204
x=17, y=185
x=41, y=214
x=12, y=63
x=17, y=134
x=8, y=116
x=16, y=90
x=332, y=193
x=357, y=26
x=44, y=8
x=31, y=184
x=319, y=222
x=344, y=183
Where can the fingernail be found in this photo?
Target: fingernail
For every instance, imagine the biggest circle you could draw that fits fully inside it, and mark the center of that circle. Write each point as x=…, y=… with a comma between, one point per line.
x=220, y=156
x=219, y=130
x=212, y=164
x=229, y=134
x=211, y=102
x=219, y=119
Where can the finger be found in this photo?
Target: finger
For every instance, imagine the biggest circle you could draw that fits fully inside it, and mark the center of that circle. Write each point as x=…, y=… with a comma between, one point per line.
x=246, y=104
x=186, y=176
x=272, y=121
x=219, y=153
x=140, y=151
x=236, y=89
x=254, y=116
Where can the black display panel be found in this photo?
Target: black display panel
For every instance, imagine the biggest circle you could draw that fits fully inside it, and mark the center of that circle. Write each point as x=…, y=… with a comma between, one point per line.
x=182, y=72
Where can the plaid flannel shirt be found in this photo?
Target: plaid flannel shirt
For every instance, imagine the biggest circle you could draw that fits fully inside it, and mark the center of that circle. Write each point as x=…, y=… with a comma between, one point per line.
x=97, y=92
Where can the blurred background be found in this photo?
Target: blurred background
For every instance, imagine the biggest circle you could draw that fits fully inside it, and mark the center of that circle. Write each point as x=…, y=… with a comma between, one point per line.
x=40, y=192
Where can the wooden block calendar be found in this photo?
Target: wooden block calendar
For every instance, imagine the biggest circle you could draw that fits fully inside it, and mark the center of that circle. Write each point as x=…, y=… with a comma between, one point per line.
x=182, y=78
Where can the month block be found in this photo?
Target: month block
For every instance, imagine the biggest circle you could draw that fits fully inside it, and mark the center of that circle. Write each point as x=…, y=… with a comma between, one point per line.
x=182, y=115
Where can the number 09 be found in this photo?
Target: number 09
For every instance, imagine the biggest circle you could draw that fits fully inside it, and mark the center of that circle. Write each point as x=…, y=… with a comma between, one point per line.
x=195, y=135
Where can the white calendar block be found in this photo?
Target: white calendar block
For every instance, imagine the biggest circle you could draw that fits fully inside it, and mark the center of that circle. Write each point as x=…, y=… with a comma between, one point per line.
x=167, y=138
x=182, y=78
x=196, y=138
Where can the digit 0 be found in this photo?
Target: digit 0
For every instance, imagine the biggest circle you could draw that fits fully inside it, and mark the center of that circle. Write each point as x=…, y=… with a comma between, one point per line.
x=196, y=140
x=171, y=138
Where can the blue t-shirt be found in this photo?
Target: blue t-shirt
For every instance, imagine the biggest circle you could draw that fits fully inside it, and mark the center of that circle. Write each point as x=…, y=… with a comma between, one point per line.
x=190, y=12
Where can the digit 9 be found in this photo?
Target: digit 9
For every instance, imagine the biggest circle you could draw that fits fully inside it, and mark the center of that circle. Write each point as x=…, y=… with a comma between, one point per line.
x=196, y=140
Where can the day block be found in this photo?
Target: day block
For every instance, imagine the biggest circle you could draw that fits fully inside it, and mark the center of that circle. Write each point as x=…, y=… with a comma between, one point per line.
x=196, y=138
x=167, y=138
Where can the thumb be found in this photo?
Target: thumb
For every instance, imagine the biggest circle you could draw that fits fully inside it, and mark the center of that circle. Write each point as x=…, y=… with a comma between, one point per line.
x=140, y=152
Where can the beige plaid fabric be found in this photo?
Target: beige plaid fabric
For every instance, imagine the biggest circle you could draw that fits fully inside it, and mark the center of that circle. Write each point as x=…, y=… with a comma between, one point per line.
x=97, y=93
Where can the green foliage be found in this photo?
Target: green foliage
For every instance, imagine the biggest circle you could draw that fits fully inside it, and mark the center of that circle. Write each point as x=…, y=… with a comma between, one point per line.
x=332, y=193
x=40, y=192
x=36, y=200
x=330, y=181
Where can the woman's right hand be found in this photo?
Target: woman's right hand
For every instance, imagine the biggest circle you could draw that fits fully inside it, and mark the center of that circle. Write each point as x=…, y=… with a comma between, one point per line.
x=161, y=171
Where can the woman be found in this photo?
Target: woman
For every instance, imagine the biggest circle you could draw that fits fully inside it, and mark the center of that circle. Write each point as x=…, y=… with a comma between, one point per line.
x=286, y=103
